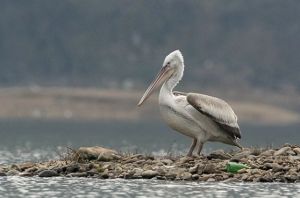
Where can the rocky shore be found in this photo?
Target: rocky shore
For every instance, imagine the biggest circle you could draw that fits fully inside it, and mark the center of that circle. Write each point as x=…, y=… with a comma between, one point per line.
x=263, y=165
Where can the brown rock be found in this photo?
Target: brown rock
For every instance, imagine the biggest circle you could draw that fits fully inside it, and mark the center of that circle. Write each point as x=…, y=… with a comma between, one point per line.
x=83, y=174
x=269, y=152
x=219, y=154
x=297, y=150
x=166, y=161
x=48, y=173
x=282, y=151
x=243, y=154
x=194, y=169
x=186, y=176
x=25, y=166
x=149, y=174
x=209, y=168
x=91, y=153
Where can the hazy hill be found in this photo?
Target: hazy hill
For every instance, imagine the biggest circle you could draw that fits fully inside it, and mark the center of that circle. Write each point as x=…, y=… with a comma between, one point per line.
x=105, y=43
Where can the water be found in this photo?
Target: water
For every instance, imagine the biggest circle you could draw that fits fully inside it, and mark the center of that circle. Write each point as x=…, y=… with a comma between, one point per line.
x=86, y=187
x=38, y=140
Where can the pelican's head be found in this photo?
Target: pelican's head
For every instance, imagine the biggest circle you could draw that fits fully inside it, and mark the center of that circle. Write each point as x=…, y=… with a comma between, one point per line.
x=173, y=66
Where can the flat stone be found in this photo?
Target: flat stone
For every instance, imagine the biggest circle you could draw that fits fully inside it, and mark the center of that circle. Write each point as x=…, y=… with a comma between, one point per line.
x=243, y=154
x=106, y=157
x=282, y=151
x=82, y=174
x=26, y=174
x=231, y=180
x=219, y=154
x=276, y=167
x=149, y=174
x=269, y=152
x=48, y=173
x=91, y=153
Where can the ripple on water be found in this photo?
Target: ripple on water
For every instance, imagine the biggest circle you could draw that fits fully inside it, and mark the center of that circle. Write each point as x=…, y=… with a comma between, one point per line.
x=88, y=187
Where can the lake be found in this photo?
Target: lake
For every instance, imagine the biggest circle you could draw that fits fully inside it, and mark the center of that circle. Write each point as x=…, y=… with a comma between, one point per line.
x=37, y=140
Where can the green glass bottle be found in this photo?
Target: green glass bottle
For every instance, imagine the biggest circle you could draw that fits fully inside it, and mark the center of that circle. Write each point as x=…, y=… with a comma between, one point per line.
x=234, y=167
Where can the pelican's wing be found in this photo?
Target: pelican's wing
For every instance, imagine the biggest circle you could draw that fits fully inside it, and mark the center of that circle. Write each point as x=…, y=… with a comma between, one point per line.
x=218, y=110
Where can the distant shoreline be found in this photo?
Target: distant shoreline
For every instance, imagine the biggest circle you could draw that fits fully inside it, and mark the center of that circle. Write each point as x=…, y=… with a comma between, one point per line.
x=98, y=104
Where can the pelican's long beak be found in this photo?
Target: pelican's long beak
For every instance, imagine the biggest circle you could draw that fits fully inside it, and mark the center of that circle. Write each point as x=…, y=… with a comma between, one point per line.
x=164, y=74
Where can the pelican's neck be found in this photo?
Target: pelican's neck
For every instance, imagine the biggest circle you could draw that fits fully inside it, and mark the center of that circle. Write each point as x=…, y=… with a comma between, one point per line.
x=166, y=90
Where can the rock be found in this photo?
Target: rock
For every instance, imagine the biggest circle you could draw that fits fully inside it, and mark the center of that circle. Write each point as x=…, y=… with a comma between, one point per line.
x=194, y=169
x=31, y=170
x=14, y=167
x=243, y=154
x=26, y=174
x=205, y=177
x=186, y=176
x=230, y=180
x=25, y=166
x=105, y=175
x=91, y=153
x=209, y=168
x=149, y=174
x=138, y=172
x=185, y=159
x=297, y=150
x=282, y=151
x=105, y=157
x=211, y=180
x=195, y=176
x=242, y=171
x=12, y=172
x=219, y=154
x=269, y=152
x=83, y=174
x=276, y=167
x=48, y=173
x=2, y=174
x=166, y=161
x=72, y=168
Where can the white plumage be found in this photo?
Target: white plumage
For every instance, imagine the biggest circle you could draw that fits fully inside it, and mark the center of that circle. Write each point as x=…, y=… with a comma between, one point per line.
x=201, y=117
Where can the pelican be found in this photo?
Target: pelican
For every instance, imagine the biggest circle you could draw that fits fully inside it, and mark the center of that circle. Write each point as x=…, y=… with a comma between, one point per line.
x=201, y=117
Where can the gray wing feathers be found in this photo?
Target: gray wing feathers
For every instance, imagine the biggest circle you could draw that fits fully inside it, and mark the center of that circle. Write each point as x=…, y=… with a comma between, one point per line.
x=218, y=110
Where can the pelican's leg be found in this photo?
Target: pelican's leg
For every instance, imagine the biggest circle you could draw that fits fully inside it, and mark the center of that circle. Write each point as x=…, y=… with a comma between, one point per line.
x=190, y=153
x=200, y=146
